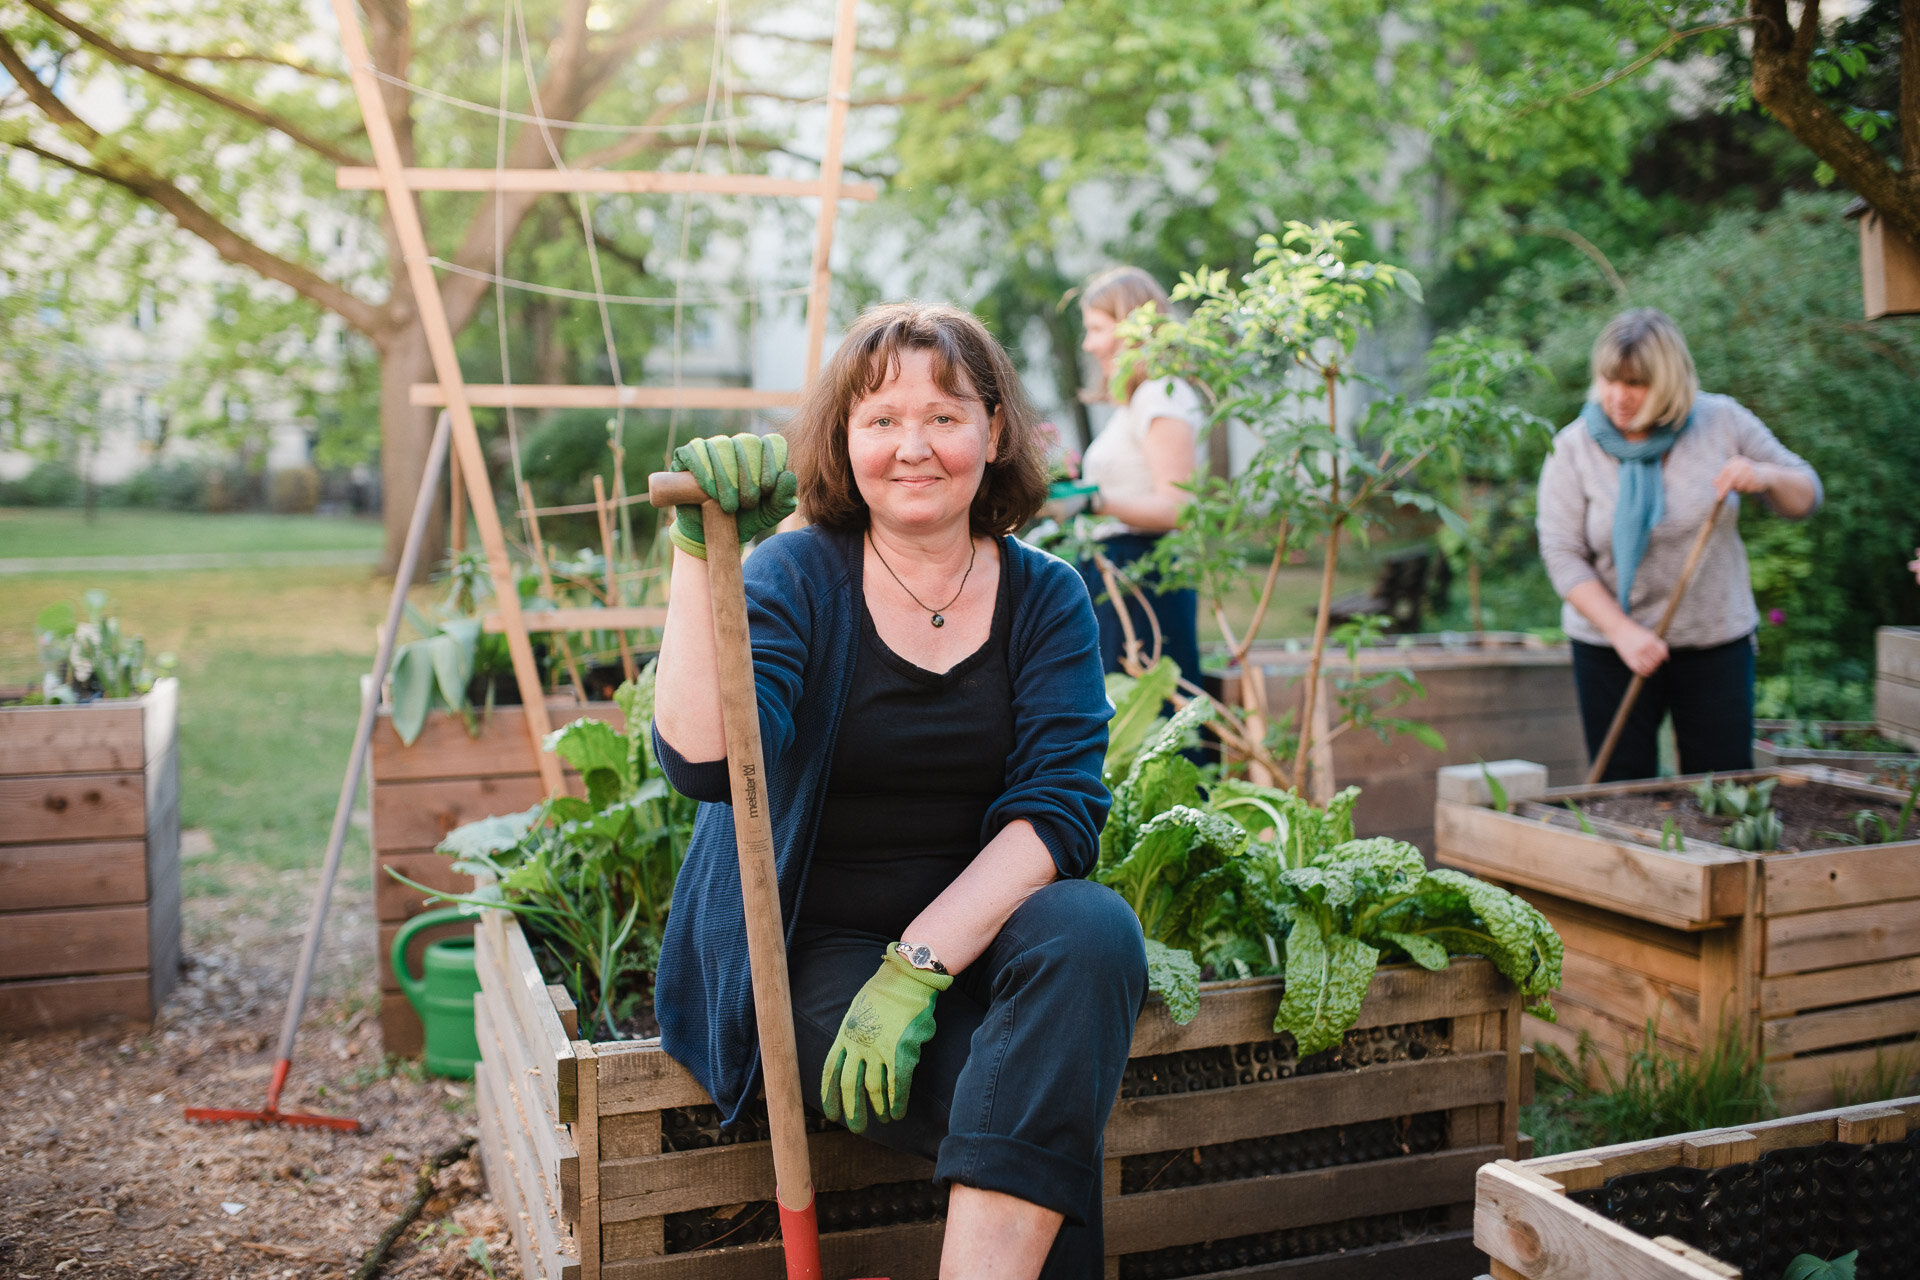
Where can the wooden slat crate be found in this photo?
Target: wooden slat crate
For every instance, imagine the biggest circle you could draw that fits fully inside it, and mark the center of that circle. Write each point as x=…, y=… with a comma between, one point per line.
x=1491, y=696
x=1813, y=958
x=1531, y=1230
x=1896, y=685
x=416, y=795
x=1766, y=755
x=90, y=860
x=595, y=1149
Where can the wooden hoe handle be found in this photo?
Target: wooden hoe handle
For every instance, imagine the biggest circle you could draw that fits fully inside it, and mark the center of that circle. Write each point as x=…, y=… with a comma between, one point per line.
x=759, y=883
x=1666, y=620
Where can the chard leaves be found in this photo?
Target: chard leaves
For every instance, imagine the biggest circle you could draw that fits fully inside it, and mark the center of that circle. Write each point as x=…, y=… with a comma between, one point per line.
x=1174, y=974
x=1327, y=977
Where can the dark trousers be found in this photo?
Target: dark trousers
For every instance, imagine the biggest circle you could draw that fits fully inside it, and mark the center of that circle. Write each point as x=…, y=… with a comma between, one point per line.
x=1178, y=611
x=1708, y=691
x=1013, y=1091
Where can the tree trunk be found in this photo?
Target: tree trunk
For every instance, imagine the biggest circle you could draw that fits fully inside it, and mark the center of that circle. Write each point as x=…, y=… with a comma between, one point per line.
x=405, y=432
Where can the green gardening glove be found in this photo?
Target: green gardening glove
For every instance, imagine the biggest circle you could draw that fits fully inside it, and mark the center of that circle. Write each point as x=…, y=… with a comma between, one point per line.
x=746, y=474
x=873, y=1057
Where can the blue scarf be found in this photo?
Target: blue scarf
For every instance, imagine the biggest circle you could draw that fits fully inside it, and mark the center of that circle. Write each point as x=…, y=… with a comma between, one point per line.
x=1642, y=500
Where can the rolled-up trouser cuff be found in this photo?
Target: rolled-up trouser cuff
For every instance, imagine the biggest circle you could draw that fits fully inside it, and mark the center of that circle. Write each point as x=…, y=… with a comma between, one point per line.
x=992, y=1162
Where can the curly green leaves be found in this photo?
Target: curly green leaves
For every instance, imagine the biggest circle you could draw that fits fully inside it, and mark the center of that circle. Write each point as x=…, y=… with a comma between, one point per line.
x=1524, y=945
x=1176, y=976
x=1327, y=977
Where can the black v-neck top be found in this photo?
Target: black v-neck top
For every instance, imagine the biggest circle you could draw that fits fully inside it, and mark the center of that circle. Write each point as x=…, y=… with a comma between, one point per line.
x=919, y=759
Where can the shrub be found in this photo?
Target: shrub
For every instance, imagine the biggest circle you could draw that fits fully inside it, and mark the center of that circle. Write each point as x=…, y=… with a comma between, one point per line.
x=49, y=484
x=169, y=486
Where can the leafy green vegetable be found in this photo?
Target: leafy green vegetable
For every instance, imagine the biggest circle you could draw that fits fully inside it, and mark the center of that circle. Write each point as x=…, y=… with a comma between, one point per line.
x=592, y=879
x=1243, y=878
x=1136, y=714
x=1174, y=974
x=1327, y=977
x=1807, y=1267
x=432, y=669
x=1495, y=791
x=1755, y=833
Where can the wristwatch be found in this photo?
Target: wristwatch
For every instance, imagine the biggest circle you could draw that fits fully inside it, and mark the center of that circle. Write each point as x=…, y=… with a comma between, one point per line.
x=920, y=957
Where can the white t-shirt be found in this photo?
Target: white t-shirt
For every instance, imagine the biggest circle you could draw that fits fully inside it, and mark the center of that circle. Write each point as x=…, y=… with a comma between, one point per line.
x=1117, y=458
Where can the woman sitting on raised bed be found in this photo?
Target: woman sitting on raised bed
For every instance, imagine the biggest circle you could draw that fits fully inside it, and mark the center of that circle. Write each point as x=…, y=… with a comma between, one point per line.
x=933, y=715
x=1622, y=497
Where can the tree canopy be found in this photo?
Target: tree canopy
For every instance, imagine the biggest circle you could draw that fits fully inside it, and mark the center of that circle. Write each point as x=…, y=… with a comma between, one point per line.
x=126, y=124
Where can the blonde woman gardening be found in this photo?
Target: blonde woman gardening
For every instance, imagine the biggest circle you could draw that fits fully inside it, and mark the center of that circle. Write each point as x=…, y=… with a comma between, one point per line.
x=1622, y=496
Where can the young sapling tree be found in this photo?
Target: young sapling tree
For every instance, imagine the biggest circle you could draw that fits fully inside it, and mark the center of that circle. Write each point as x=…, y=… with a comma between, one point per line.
x=1276, y=352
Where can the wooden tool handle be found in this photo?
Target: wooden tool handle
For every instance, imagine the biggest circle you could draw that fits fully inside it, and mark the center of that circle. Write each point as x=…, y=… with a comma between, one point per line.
x=1619, y=724
x=674, y=488
x=753, y=834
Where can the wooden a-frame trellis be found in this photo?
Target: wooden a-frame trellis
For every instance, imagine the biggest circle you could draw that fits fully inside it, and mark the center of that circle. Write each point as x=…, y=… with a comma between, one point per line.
x=450, y=390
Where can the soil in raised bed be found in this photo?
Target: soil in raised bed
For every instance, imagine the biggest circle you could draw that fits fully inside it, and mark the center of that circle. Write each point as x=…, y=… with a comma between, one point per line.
x=1805, y=811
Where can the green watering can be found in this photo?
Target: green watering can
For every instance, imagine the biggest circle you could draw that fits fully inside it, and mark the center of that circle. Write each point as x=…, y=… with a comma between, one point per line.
x=443, y=997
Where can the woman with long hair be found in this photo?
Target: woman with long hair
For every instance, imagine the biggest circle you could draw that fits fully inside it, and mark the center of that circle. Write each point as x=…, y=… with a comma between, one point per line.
x=1139, y=460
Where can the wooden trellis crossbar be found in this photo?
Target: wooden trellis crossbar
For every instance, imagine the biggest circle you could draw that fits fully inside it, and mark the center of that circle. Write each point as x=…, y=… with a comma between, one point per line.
x=399, y=182
x=604, y=182
x=622, y=617
x=521, y=395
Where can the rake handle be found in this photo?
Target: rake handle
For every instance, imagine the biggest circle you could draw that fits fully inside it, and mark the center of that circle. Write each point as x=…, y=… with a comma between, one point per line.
x=759, y=882
x=1619, y=724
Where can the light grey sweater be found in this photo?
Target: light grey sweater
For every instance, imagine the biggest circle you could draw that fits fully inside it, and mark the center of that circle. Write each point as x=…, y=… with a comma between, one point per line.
x=1579, y=485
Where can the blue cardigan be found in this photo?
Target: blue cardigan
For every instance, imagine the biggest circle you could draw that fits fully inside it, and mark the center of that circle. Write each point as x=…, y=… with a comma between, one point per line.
x=803, y=602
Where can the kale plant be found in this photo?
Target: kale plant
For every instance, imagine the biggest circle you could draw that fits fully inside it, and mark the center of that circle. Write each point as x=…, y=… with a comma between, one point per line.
x=1251, y=879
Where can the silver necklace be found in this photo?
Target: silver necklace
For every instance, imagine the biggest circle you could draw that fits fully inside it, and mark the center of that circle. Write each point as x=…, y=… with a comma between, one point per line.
x=939, y=615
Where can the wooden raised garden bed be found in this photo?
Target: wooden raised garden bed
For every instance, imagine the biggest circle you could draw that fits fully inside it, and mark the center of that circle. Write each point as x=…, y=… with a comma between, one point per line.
x=1884, y=766
x=417, y=794
x=89, y=860
x=1813, y=958
x=1223, y=1152
x=1896, y=685
x=1491, y=695
x=1712, y=1205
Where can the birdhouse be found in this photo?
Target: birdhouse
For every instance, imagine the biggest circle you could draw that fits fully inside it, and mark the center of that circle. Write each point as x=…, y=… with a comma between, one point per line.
x=1889, y=265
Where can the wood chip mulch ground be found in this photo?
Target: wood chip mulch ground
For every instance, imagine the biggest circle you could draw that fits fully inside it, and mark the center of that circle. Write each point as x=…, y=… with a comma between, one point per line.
x=101, y=1176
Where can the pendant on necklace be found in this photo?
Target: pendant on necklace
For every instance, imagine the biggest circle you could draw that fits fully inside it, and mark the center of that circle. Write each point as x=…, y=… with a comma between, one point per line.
x=939, y=620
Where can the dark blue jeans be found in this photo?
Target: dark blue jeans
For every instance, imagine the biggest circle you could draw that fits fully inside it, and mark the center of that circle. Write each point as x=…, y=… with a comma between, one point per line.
x=1178, y=612
x=1013, y=1092
x=1708, y=691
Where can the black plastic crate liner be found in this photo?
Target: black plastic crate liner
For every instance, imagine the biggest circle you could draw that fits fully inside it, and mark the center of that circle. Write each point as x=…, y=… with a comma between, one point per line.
x=692, y=1128
x=1277, y=1059
x=1826, y=1200
x=1282, y=1246
x=1286, y=1153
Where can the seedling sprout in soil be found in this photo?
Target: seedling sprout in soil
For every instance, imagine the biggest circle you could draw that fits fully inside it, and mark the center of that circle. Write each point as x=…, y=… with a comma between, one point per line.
x=1812, y=816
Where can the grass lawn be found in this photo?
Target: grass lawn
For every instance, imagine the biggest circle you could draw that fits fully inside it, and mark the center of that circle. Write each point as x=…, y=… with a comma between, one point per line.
x=48, y=531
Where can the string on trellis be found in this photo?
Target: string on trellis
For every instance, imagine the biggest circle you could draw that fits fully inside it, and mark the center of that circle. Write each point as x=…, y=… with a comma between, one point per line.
x=720, y=88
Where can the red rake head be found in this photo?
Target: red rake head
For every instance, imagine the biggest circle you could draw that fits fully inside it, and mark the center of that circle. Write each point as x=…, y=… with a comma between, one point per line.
x=299, y=1119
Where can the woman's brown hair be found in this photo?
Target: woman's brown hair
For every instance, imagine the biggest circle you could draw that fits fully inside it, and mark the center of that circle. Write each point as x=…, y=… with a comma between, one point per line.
x=1119, y=292
x=966, y=362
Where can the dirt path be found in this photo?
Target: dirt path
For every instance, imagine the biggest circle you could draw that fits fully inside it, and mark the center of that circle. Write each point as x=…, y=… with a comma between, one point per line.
x=101, y=1175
